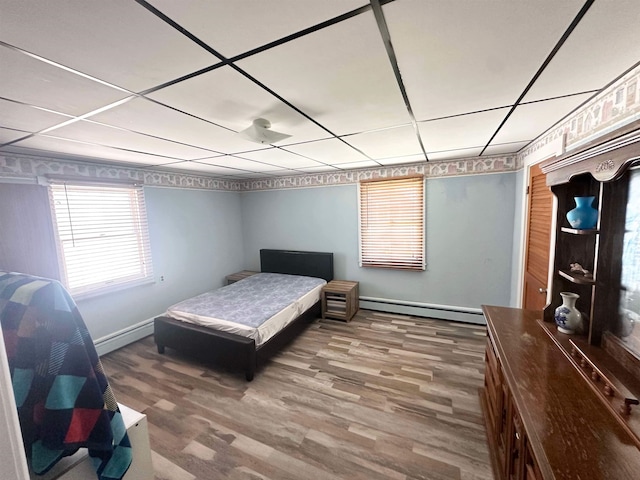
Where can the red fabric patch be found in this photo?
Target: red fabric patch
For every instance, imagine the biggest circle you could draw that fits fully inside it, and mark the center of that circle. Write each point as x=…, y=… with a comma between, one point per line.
x=82, y=423
x=38, y=413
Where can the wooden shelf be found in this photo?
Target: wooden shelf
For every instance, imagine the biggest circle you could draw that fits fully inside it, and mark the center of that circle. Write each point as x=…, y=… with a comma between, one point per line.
x=576, y=278
x=562, y=339
x=611, y=387
x=580, y=231
x=604, y=375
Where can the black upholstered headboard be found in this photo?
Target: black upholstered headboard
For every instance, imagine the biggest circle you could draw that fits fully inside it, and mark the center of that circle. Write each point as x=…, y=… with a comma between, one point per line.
x=310, y=264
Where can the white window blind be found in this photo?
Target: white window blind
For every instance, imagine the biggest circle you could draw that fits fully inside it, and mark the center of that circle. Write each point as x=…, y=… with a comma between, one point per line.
x=392, y=223
x=103, y=239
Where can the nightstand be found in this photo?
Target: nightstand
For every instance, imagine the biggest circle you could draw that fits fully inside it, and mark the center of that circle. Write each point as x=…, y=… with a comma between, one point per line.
x=234, y=277
x=340, y=299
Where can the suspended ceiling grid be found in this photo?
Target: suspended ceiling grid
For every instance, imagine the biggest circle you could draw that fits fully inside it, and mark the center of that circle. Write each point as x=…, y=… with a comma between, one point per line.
x=167, y=84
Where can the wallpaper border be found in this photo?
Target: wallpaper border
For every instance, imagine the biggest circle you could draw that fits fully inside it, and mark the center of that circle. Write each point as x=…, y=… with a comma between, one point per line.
x=433, y=169
x=20, y=166
x=617, y=105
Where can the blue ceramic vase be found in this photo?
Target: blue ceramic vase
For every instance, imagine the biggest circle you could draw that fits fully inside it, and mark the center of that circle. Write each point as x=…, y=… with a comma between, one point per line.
x=584, y=216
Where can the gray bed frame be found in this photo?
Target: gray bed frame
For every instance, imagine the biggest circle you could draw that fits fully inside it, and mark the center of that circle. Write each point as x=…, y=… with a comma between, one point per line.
x=235, y=350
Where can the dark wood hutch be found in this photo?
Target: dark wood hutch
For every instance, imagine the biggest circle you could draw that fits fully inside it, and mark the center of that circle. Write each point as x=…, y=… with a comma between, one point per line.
x=563, y=406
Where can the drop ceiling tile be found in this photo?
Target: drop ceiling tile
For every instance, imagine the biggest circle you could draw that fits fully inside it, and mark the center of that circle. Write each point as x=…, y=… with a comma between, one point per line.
x=340, y=75
x=144, y=116
x=61, y=148
x=332, y=152
x=25, y=117
x=225, y=25
x=229, y=99
x=247, y=175
x=286, y=173
x=9, y=135
x=392, y=142
x=281, y=158
x=486, y=61
x=464, y=131
x=199, y=167
x=119, y=138
x=603, y=46
x=454, y=154
x=503, y=148
x=365, y=164
x=240, y=163
x=37, y=83
x=532, y=119
x=117, y=41
x=321, y=168
x=404, y=159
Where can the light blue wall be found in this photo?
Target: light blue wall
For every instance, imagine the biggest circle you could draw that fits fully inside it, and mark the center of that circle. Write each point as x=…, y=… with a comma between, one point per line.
x=199, y=236
x=469, y=236
x=195, y=239
x=317, y=219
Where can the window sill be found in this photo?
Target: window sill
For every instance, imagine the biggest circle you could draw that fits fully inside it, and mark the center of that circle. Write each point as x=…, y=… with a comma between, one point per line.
x=98, y=292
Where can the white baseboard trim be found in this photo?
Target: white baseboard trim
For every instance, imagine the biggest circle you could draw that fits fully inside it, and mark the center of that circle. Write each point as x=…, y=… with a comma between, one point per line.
x=419, y=309
x=131, y=334
x=123, y=337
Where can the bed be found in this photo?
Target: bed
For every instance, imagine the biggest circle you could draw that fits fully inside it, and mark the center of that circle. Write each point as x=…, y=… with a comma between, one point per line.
x=230, y=343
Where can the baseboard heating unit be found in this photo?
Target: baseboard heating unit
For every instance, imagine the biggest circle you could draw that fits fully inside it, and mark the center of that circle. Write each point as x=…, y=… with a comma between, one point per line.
x=419, y=309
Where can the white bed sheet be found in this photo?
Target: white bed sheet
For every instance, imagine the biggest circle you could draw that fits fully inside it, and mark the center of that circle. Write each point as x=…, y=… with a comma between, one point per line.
x=262, y=333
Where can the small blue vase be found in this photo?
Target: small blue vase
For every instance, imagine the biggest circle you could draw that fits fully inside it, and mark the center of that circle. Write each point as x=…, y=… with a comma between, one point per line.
x=584, y=216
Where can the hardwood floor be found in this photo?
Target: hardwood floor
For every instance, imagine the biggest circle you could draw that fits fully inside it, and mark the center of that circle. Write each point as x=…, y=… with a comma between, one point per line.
x=382, y=397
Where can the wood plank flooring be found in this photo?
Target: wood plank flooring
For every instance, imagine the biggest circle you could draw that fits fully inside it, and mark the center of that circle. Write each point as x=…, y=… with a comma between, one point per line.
x=382, y=397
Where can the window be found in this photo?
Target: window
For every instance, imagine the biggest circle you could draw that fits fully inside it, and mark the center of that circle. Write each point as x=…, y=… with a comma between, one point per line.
x=392, y=223
x=102, y=235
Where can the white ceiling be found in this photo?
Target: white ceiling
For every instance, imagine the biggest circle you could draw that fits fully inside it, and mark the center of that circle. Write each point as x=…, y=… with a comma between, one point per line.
x=168, y=84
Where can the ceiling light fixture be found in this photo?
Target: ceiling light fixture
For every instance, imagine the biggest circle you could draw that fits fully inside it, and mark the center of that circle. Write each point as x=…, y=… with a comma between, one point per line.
x=260, y=132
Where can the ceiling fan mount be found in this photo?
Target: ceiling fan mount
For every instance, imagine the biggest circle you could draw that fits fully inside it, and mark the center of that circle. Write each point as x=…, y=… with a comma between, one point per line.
x=260, y=132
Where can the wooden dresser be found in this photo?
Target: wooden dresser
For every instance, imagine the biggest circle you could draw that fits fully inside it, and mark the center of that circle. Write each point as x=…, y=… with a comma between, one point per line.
x=543, y=419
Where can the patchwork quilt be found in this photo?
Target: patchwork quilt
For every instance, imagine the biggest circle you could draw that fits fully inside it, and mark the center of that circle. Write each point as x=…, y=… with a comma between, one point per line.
x=62, y=393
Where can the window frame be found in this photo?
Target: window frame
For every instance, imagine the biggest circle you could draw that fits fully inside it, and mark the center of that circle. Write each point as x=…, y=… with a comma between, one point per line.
x=395, y=259
x=137, y=235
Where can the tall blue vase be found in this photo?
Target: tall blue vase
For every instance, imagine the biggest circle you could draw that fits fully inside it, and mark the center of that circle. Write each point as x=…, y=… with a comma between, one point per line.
x=584, y=216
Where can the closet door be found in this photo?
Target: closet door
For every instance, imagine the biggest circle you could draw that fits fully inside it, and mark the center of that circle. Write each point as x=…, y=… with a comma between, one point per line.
x=536, y=268
x=27, y=242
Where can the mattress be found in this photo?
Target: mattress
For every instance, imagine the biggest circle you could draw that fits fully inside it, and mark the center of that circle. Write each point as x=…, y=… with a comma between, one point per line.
x=256, y=307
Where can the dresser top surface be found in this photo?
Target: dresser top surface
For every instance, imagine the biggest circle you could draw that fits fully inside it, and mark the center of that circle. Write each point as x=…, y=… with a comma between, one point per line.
x=569, y=427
